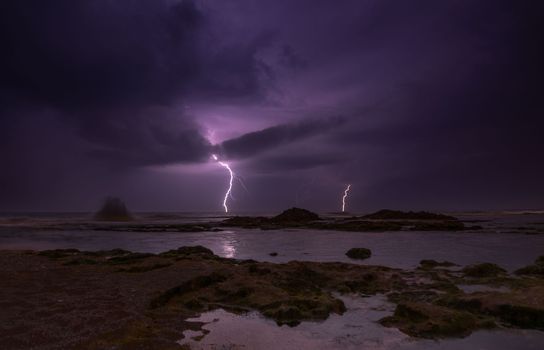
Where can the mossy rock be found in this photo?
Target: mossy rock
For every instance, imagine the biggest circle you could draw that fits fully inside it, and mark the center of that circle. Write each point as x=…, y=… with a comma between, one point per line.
x=431, y=321
x=292, y=311
x=359, y=253
x=187, y=287
x=185, y=251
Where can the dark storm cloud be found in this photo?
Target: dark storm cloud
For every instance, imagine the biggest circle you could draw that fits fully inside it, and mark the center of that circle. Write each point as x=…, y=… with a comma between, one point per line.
x=90, y=54
x=258, y=142
x=272, y=164
x=438, y=96
x=118, y=73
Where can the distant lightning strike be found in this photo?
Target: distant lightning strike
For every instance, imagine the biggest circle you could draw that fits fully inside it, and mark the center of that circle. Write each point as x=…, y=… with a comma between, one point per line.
x=344, y=198
x=231, y=173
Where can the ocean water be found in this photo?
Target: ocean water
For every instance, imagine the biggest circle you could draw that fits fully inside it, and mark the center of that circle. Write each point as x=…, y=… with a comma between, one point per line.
x=507, y=240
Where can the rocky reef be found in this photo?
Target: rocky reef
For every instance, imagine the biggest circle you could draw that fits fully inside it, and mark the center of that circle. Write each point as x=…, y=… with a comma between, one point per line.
x=383, y=220
x=293, y=217
x=124, y=300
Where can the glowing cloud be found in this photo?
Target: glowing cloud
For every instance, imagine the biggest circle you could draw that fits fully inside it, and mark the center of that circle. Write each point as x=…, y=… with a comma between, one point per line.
x=231, y=173
x=344, y=198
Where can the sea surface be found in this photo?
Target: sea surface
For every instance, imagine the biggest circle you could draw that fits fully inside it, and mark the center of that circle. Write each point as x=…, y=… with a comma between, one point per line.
x=509, y=239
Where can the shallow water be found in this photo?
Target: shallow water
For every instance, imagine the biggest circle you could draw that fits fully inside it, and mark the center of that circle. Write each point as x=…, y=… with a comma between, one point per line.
x=395, y=249
x=356, y=329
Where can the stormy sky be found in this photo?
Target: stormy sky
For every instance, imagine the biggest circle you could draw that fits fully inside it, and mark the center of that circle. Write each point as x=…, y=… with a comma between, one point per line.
x=434, y=105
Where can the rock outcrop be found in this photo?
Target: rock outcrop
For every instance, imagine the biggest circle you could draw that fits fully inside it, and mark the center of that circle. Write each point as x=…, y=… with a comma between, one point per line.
x=113, y=209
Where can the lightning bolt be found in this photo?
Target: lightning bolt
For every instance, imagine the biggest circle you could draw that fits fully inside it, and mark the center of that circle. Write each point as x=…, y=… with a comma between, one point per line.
x=344, y=198
x=229, y=190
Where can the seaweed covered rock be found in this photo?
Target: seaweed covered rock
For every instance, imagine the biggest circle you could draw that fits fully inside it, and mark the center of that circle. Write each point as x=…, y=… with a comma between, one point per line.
x=359, y=253
x=186, y=251
x=483, y=270
x=295, y=215
x=113, y=209
x=431, y=321
x=387, y=214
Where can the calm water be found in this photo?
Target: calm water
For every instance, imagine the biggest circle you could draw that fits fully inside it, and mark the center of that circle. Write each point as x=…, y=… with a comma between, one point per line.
x=502, y=241
x=355, y=330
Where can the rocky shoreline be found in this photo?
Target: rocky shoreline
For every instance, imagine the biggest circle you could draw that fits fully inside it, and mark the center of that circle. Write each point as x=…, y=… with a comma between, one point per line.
x=123, y=300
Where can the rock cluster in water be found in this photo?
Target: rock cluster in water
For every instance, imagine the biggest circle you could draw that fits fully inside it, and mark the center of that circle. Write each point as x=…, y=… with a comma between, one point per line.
x=359, y=253
x=383, y=220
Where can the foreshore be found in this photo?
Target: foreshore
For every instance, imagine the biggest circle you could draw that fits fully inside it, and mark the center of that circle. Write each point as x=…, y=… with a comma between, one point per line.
x=118, y=299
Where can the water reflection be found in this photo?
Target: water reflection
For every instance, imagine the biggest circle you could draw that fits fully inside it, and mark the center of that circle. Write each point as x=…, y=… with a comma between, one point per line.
x=228, y=245
x=356, y=329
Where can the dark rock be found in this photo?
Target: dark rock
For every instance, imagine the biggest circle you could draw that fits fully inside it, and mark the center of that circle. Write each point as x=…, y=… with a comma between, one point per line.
x=537, y=269
x=521, y=316
x=81, y=261
x=144, y=268
x=483, y=270
x=359, y=253
x=246, y=221
x=113, y=209
x=540, y=260
x=108, y=253
x=386, y=214
x=431, y=264
x=188, y=250
x=189, y=286
x=59, y=253
x=129, y=258
x=295, y=215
